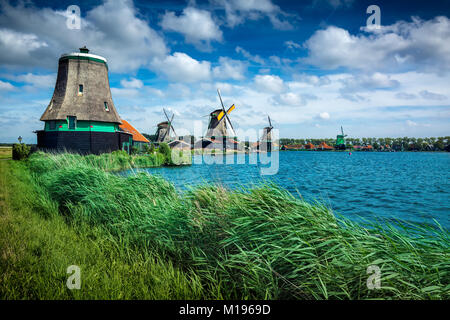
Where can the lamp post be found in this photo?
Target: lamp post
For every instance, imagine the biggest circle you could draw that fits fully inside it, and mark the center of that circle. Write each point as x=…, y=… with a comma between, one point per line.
x=20, y=139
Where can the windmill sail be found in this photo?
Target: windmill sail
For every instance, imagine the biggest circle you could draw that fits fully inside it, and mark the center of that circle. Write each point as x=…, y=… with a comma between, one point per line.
x=163, y=131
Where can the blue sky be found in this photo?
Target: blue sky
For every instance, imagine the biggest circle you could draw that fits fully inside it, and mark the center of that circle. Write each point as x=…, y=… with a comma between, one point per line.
x=311, y=65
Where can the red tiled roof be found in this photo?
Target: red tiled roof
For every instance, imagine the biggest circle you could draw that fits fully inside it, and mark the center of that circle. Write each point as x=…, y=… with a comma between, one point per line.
x=137, y=136
x=324, y=145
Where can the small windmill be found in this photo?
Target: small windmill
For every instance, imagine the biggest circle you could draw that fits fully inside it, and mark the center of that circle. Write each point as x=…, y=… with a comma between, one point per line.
x=164, y=129
x=265, y=143
x=267, y=134
x=340, y=140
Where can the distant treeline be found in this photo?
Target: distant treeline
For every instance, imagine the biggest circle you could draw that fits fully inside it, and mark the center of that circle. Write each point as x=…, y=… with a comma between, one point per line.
x=397, y=144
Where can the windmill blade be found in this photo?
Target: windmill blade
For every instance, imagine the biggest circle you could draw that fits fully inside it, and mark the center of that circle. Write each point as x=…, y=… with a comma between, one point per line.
x=221, y=114
x=225, y=112
x=220, y=97
x=170, y=122
x=270, y=122
x=171, y=126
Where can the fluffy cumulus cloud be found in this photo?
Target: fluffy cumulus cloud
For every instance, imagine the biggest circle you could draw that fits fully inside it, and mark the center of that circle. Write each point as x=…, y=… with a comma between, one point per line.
x=132, y=83
x=419, y=45
x=324, y=115
x=432, y=95
x=6, y=86
x=375, y=81
x=229, y=69
x=180, y=67
x=292, y=99
x=253, y=58
x=333, y=3
x=18, y=45
x=238, y=11
x=269, y=83
x=33, y=80
x=36, y=37
x=292, y=45
x=197, y=26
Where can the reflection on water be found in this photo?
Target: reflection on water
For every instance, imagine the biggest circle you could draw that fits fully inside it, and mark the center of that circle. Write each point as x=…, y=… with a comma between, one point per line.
x=412, y=186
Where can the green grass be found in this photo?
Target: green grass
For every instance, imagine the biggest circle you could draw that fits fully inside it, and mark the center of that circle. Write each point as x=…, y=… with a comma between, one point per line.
x=37, y=244
x=257, y=244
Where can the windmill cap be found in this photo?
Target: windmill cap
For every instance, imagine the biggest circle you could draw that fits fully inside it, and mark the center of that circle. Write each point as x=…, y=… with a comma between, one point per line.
x=83, y=54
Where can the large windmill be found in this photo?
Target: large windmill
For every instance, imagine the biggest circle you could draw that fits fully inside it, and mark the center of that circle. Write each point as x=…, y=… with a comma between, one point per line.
x=340, y=140
x=219, y=122
x=164, y=129
x=220, y=130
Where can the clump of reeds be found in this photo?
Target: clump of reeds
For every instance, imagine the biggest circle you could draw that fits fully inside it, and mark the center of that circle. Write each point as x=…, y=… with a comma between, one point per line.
x=115, y=161
x=261, y=243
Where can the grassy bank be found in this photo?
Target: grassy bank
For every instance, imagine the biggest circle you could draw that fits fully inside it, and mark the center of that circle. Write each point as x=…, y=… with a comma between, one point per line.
x=37, y=244
x=208, y=243
x=115, y=161
x=5, y=153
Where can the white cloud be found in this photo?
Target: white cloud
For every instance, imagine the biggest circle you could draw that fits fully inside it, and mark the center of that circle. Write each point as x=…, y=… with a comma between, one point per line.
x=250, y=57
x=6, y=86
x=132, y=83
x=271, y=83
x=333, y=3
x=180, y=67
x=195, y=24
x=229, y=69
x=238, y=11
x=34, y=80
x=431, y=95
x=292, y=45
x=405, y=96
x=324, y=115
x=419, y=45
x=375, y=81
x=312, y=79
x=292, y=99
x=18, y=45
x=289, y=98
x=112, y=29
x=410, y=123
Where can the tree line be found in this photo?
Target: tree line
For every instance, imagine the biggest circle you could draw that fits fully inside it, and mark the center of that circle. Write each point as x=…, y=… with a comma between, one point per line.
x=397, y=144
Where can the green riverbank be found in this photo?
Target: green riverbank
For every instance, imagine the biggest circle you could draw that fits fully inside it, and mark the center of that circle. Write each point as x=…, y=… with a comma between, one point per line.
x=137, y=238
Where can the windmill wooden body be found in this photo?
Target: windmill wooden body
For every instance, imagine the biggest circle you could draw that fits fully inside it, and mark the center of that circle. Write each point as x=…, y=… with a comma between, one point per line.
x=220, y=133
x=266, y=143
x=164, y=130
x=81, y=116
x=340, y=140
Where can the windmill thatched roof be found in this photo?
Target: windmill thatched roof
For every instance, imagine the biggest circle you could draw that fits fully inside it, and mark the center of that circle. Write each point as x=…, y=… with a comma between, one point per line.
x=94, y=103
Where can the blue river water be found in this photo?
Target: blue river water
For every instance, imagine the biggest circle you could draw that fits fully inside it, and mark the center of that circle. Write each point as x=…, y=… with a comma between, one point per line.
x=408, y=186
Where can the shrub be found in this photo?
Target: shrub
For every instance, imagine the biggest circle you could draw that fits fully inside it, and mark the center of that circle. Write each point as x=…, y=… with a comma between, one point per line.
x=134, y=150
x=20, y=151
x=164, y=149
x=146, y=148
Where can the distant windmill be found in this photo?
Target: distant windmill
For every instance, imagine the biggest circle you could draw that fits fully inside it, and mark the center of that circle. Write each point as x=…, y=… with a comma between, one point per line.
x=267, y=134
x=265, y=143
x=164, y=129
x=340, y=140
